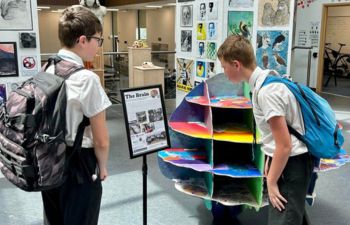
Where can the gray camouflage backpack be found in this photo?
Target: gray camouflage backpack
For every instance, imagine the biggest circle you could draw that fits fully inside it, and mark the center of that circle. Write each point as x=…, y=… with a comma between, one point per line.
x=33, y=152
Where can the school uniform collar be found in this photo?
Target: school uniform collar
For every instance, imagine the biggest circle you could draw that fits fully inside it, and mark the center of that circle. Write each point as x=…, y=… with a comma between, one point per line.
x=257, y=78
x=70, y=56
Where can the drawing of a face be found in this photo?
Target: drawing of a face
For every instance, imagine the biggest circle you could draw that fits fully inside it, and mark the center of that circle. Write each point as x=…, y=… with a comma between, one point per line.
x=186, y=15
x=10, y=9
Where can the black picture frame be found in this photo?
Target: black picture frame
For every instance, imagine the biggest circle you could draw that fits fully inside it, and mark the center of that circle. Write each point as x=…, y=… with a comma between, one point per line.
x=145, y=118
x=8, y=59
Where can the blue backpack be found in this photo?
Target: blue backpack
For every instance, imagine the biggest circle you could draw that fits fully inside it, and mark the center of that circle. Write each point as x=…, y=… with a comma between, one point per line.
x=322, y=137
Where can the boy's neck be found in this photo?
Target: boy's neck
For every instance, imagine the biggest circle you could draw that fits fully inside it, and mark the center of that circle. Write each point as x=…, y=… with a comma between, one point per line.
x=247, y=72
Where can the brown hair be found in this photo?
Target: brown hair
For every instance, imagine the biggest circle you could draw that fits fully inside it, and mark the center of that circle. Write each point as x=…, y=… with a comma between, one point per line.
x=76, y=21
x=237, y=48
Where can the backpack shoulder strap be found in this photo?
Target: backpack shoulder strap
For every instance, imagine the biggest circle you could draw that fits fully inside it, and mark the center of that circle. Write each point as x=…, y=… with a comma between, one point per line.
x=63, y=68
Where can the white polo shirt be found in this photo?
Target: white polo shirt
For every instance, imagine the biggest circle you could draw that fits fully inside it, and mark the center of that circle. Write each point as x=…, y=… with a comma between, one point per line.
x=275, y=100
x=85, y=96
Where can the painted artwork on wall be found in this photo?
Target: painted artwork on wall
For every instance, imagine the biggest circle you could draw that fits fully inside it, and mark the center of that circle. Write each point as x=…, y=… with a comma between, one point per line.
x=272, y=50
x=212, y=31
x=184, y=75
x=201, y=31
x=202, y=13
x=211, y=50
x=186, y=40
x=16, y=15
x=200, y=69
x=29, y=65
x=8, y=59
x=211, y=69
x=241, y=3
x=201, y=49
x=273, y=13
x=3, y=93
x=213, y=10
x=27, y=39
x=186, y=17
x=240, y=23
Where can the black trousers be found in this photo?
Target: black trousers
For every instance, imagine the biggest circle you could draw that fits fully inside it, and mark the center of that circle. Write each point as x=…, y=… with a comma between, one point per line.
x=293, y=185
x=78, y=200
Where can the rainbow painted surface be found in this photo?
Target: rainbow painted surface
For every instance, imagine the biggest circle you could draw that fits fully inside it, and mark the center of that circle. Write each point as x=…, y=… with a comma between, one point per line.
x=236, y=102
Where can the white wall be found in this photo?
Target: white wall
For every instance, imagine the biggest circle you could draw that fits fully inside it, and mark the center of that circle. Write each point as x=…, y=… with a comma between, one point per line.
x=308, y=19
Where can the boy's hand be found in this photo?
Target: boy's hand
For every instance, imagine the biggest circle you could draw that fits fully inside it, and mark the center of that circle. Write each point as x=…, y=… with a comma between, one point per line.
x=276, y=199
x=103, y=173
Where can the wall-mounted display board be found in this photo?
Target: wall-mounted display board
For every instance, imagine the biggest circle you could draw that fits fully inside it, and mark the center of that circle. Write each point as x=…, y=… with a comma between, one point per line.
x=19, y=46
x=202, y=26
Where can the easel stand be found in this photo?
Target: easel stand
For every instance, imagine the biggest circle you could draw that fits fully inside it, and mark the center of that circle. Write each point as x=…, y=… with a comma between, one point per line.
x=144, y=175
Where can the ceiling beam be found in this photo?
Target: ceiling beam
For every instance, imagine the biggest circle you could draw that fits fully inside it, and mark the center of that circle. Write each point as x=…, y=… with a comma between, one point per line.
x=111, y=3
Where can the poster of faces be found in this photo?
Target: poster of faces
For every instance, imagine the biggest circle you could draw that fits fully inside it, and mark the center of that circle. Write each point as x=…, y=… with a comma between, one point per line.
x=186, y=16
x=202, y=13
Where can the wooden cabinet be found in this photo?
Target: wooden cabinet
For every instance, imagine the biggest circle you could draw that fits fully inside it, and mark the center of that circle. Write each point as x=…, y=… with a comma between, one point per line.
x=136, y=57
x=148, y=76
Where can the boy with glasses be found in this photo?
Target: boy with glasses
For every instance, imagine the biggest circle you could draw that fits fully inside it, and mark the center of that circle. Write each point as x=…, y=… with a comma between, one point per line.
x=78, y=199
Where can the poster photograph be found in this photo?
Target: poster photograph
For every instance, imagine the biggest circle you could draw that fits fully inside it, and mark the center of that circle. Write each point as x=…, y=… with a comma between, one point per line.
x=273, y=13
x=145, y=120
x=8, y=59
x=201, y=31
x=186, y=16
x=272, y=50
x=16, y=15
x=184, y=74
x=240, y=23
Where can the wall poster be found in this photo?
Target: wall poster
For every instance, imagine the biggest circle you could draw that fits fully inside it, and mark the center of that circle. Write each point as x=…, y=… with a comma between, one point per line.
x=16, y=15
x=145, y=120
x=8, y=59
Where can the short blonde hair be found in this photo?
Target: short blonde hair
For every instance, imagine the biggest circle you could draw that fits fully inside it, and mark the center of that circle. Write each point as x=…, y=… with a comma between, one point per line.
x=237, y=48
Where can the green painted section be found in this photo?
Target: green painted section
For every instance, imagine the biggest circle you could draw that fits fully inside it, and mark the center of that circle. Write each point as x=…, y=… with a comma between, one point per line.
x=208, y=178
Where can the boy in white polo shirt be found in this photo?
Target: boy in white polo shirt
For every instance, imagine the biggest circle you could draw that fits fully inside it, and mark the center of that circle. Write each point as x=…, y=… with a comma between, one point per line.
x=78, y=199
x=289, y=165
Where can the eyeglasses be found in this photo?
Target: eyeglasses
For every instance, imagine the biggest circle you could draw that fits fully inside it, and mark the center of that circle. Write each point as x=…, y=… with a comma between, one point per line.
x=99, y=40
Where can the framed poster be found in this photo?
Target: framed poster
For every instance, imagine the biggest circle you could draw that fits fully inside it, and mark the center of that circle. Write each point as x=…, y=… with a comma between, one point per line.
x=145, y=120
x=8, y=59
x=16, y=15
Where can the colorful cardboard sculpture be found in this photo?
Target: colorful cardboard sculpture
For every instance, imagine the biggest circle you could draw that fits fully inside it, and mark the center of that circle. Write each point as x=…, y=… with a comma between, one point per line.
x=213, y=154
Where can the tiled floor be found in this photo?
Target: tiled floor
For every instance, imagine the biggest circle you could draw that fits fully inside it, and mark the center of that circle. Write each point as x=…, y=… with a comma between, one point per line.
x=122, y=197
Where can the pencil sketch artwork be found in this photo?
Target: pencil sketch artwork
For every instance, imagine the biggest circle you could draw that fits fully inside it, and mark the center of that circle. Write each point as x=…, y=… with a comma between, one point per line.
x=186, y=40
x=186, y=16
x=15, y=15
x=274, y=13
